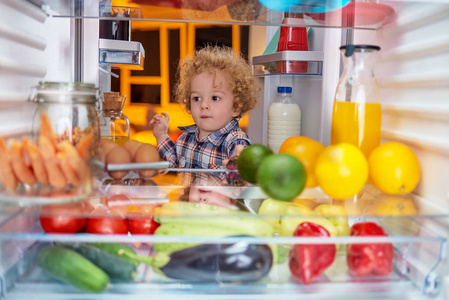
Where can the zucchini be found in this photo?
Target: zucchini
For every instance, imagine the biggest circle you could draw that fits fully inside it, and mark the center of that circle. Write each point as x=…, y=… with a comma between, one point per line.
x=106, y=256
x=72, y=268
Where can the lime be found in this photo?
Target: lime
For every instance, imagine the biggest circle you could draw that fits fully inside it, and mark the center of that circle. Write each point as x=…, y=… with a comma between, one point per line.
x=281, y=176
x=249, y=160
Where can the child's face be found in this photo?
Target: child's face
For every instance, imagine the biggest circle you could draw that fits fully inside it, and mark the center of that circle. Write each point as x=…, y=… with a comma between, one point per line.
x=207, y=195
x=211, y=102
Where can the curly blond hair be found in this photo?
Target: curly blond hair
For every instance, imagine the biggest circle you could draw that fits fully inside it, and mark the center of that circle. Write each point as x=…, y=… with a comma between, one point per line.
x=236, y=70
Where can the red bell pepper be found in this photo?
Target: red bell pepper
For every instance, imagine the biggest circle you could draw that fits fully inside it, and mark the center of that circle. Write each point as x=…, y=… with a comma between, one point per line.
x=308, y=261
x=372, y=258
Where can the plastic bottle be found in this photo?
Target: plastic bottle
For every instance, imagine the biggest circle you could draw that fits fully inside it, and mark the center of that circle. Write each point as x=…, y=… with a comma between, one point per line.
x=357, y=110
x=114, y=125
x=284, y=118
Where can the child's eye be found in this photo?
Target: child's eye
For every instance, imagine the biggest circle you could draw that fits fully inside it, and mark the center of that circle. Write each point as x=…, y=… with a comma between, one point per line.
x=215, y=98
x=196, y=99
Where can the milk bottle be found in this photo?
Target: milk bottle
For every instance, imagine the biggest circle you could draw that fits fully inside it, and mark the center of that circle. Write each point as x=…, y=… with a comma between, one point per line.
x=284, y=118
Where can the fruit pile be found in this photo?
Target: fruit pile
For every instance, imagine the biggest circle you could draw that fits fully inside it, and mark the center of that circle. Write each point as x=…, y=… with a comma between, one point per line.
x=340, y=170
x=280, y=176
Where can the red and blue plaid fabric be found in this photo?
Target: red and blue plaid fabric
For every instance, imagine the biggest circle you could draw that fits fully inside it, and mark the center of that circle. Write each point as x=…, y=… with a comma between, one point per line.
x=207, y=153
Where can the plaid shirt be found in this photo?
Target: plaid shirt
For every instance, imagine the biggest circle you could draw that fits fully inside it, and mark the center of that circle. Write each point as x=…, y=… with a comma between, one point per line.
x=207, y=153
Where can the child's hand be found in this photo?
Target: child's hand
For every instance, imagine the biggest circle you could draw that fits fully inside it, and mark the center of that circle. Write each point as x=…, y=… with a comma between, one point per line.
x=238, y=150
x=160, y=126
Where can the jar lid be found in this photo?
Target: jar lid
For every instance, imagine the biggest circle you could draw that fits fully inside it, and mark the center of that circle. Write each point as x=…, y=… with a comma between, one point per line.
x=113, y=101
x=64, y=92
x=359, y=48
x=284, y=89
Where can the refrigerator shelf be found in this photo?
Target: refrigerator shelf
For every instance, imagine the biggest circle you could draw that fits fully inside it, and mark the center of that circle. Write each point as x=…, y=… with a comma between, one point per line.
x=362, y=15
x=414, y=274
x=416, y=236
x=125, y=54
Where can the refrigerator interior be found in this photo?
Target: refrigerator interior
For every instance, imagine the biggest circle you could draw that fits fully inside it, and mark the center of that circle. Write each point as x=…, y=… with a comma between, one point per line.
x=414, y=80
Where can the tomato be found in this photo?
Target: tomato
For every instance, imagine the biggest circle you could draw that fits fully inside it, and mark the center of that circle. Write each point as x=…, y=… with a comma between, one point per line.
x=107, y=225
x=64, y=218
x=102, y=221
x=142, y=224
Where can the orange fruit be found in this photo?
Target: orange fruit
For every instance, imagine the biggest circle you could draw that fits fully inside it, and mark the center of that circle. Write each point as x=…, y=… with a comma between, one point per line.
x=281, y=176
x=341, y=171
x=306, y=150
x=249, y=160
x=394, y=168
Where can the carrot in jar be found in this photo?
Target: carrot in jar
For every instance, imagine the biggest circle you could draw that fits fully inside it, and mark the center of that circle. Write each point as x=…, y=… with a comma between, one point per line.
x=67, y=169
x=56, y=177
x=37, y=163
x=73, y=159
x=20, y=167
x=7, y=176
x=83, y=146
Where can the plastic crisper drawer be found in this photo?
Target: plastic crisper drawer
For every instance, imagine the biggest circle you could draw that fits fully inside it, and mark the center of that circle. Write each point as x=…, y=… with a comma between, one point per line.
x=225, y=248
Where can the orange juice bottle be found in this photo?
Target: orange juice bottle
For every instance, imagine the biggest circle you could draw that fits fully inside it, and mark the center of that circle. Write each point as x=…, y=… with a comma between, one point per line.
x=356, y=117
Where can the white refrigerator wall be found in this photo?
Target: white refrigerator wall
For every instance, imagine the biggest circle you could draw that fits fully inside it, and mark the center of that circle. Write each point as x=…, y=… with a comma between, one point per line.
x=413, y=74
x=34, y=47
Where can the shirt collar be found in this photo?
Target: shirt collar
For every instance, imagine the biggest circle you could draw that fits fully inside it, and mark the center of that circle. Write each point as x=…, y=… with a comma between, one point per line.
x=216, y=137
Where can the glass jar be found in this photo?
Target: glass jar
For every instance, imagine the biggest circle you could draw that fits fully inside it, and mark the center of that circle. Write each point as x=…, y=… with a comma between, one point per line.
x=66, y=132
x=356, y=117
x=113, y=123
x=284, y=118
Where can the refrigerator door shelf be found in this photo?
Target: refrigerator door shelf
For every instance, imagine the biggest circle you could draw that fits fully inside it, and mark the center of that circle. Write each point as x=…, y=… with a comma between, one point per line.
x=289, y=62
x=125, y=54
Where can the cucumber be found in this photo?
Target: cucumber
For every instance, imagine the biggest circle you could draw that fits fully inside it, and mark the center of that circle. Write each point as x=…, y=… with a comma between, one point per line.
x=72, y=268
x=106, y=256
x=117, y=249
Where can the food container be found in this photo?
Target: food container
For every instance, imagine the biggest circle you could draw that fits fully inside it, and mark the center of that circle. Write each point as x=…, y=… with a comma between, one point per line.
x=114, y=125
x=53, y=162
x=208, y=243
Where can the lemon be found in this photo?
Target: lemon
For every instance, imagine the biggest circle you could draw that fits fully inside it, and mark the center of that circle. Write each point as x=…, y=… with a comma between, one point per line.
x=249, y=160
x=341, y=171
x=394, y=168
x=392, y=205
x=281, y=176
